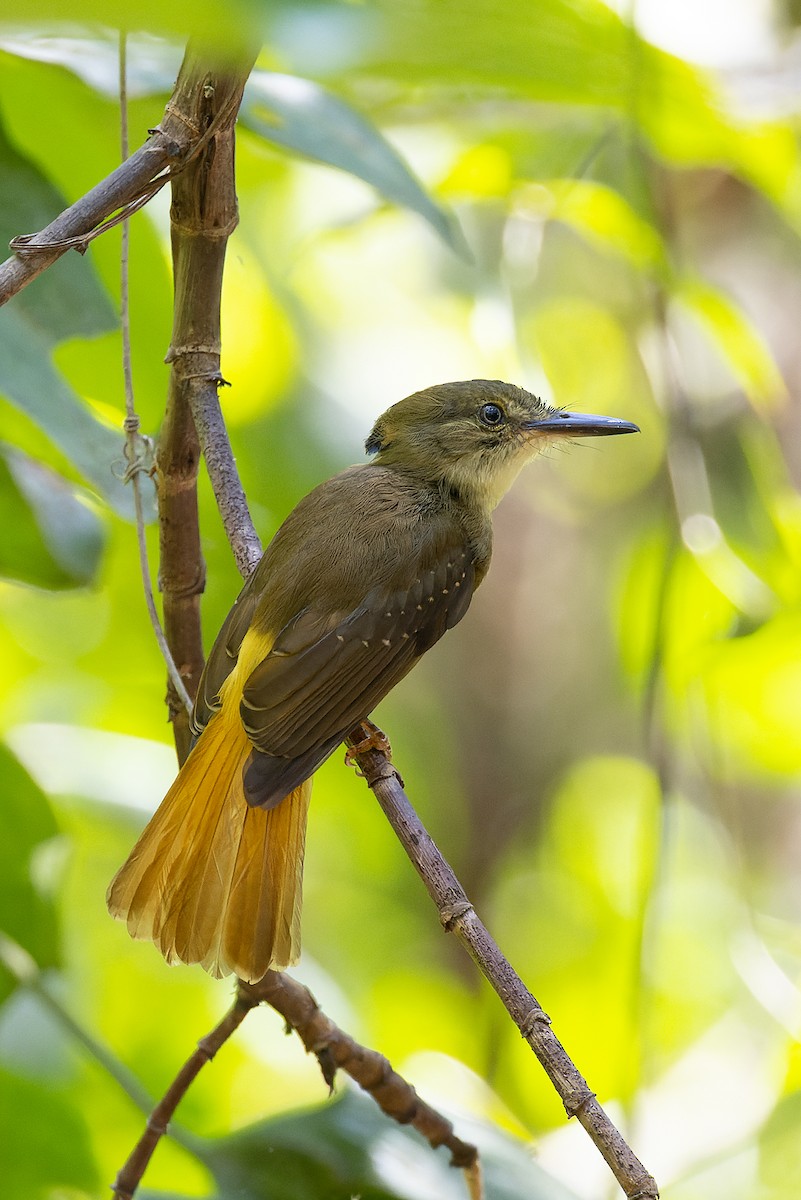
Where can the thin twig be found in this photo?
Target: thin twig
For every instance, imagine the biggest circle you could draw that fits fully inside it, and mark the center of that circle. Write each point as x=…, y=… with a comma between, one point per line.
x=138, y=450
x=334, y=1050
x=228, y=490
x=459, y=917
x=134, y=1167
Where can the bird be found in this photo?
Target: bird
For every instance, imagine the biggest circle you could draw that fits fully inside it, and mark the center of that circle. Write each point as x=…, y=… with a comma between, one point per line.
x=368, y=571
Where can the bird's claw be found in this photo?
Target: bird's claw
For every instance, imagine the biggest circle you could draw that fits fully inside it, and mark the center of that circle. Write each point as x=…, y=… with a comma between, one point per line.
x=375, y=739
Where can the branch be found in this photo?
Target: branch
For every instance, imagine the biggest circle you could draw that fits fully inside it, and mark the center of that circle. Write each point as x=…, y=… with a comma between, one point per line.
x=138, y=449
x=203, y=215
x=221, y=466
x=139, y=178
x=131, y=1172
x=459, y=917
x=333, y=1049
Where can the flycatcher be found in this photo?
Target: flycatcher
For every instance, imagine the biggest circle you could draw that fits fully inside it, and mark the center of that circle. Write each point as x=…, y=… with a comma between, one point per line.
x=362, y=578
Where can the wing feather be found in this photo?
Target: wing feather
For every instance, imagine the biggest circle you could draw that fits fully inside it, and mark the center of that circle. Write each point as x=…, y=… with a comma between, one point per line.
x=325, y=675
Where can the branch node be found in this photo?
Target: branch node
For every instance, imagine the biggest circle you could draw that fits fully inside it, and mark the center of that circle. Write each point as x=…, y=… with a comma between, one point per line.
x=210, y=376
x=206, y=1050
x=184, y=119
x=328, y=1066
x=206, y=232
x=139, y=451
x=532, y=1019
x=644, y=1189
x=169, y=146
x=575, y=1101
x=158, y=1127
x=195, y=586
x=449, y=914
x=25, y=245
x=182, y=351
x=463, y=1155
x=648, y=1191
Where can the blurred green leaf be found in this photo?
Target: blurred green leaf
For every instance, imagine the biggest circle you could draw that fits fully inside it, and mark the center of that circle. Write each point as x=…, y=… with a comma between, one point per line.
x=348, y=1147
x=152, y=62
x=182, y=19
x=66, y=301
x=27, y=912
x=302, y=116
x=602, y=215
x=51, y=538
x=284, y=109
x=29, y=379
x=46, y=1147
x=737, y=339
x=580, y=53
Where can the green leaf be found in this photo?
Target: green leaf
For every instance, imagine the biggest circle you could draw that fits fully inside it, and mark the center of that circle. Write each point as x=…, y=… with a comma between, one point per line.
x=349, y=1148
x=49, y=1150
x=51, y=537
x=304, y=117
x=152, y=63
x=27, y=913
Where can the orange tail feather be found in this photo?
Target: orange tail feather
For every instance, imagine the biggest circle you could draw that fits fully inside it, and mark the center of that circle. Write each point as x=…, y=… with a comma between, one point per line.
x=213, y=880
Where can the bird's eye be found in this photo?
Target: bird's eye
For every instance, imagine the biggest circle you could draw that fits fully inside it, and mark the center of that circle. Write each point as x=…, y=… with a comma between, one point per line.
x=491, y=414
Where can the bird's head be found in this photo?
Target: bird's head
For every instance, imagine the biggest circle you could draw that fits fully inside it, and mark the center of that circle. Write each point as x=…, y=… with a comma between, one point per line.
x=475, y=436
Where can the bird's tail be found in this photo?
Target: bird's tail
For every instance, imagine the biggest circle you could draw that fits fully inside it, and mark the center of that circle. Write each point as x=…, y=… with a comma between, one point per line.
x=213, y=880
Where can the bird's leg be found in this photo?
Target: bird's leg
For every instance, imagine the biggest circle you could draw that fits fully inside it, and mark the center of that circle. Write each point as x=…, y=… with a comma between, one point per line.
x=366, y=736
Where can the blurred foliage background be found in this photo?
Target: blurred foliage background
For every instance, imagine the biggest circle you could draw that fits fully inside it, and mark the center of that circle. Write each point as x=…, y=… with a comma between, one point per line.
x=603, y=205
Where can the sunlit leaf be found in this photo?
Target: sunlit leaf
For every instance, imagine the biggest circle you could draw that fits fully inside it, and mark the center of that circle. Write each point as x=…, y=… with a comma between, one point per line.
x=151, y=62
x=481, y=171
x=779, y=1161
x=200, y=18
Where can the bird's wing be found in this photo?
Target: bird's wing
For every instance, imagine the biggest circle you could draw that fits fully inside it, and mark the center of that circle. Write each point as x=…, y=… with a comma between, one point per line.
x=326, y=672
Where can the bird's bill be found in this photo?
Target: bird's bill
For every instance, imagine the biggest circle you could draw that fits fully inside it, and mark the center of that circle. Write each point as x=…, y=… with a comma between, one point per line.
x=582, y=425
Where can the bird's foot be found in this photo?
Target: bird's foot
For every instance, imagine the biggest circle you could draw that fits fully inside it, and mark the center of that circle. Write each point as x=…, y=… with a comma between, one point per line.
x=366, y=736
